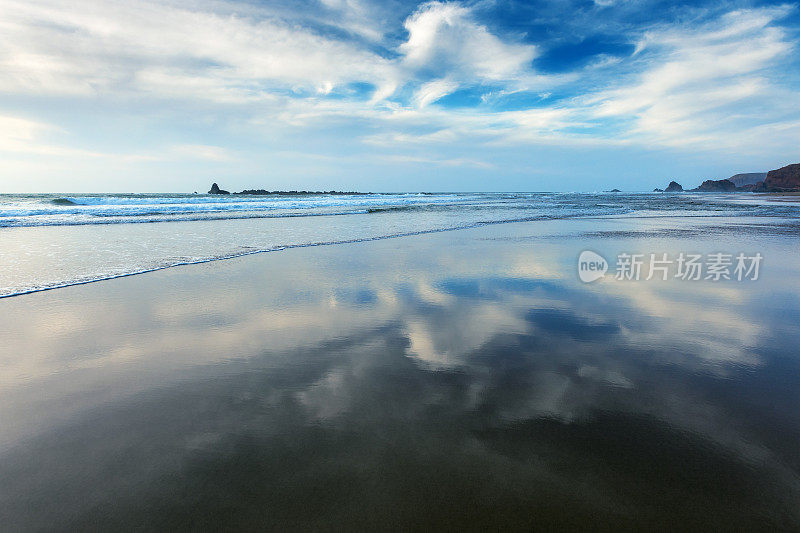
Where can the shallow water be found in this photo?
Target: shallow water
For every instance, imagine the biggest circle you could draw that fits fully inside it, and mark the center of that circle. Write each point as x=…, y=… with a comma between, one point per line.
x=49, y=241
x=458, y=380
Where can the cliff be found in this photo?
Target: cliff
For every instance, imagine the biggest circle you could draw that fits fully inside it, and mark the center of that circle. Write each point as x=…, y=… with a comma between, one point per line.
x=783, y=179
x=750, y=178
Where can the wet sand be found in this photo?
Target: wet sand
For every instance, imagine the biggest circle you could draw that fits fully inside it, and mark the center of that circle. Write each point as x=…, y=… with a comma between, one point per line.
x=458, y=380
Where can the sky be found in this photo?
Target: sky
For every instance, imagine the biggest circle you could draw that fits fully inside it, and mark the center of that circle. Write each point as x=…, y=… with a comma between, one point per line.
x=394, y=95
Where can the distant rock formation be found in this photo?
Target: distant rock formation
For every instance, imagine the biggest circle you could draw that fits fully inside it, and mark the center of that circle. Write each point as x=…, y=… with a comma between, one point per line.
x=750, y=178
x=216, y=190
x=264, y=192
x=716, y=186
x=658, y=190
x=614, y=190
x=785, y=179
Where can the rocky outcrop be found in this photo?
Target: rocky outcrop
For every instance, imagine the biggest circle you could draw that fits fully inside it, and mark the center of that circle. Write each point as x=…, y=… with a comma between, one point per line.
x=216, y=190
x=716, y=186
x=750, y=178
x=264, y=192
x=785, y=179
x=658, y=190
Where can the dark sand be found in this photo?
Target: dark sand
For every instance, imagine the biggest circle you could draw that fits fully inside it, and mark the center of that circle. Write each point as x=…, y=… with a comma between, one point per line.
x=460, y=380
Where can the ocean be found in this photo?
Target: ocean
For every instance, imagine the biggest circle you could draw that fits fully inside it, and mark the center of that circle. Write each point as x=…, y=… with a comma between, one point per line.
x=57, y=240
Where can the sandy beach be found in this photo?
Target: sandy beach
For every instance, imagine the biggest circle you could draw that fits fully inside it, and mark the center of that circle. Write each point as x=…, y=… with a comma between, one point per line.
x=454, y=380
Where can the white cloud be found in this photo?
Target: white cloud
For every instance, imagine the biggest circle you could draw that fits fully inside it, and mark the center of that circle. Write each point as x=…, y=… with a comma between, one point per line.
x=19, y=129
x=699, y=82
x=227, y=53
x=27, y=137
x=108, y=47
x=443, y=38
x=433, y=91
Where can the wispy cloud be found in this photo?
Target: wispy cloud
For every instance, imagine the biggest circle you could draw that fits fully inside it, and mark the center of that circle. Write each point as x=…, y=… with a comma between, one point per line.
x=107, y=47
x=437, y=162
x=23, y=136
x=203, y=152
x=433, y=91
x=705, y=84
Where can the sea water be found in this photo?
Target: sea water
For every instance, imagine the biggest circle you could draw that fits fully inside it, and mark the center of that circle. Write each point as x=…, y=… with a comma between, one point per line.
x=56, y=240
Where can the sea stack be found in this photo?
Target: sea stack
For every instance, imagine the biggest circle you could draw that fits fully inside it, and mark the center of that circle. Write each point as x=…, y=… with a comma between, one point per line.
x=674, y=186
x=216, y=190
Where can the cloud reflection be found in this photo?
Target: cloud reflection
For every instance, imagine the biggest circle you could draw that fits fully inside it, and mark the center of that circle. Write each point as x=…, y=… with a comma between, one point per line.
x=311, y=402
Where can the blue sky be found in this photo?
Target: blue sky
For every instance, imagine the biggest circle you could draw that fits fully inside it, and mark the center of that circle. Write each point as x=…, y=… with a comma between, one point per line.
x=136, y=95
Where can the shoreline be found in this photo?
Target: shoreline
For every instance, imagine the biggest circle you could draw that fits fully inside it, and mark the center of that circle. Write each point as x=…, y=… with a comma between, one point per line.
x=278, y=248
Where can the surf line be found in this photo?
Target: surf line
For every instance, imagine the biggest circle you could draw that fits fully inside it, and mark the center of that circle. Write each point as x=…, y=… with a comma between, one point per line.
x=261, y=251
